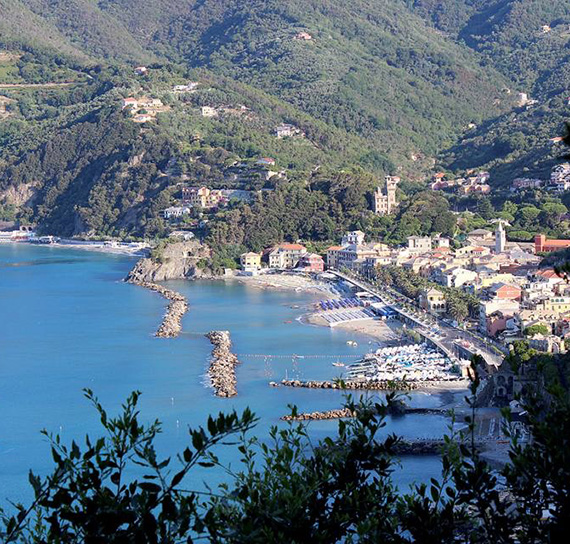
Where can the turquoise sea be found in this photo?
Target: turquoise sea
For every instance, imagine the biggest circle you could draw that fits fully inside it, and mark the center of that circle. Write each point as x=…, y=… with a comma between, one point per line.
x=67, y=321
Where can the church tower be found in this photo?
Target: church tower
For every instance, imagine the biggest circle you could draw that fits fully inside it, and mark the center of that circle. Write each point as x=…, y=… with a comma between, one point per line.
x=500, y=238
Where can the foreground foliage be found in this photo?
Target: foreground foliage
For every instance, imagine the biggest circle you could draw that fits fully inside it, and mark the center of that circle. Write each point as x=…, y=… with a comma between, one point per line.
x=116, y=489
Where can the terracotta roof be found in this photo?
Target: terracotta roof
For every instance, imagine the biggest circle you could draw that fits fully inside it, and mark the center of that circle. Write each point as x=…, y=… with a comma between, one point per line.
x=334, y=248
x=290, y=246
x=547, y=273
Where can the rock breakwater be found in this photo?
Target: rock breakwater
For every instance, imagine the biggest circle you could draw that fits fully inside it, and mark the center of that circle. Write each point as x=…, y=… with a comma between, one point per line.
x=222, y=370
x=172, y=323
x=353, y=385
x=340, y=413
x=318, y=416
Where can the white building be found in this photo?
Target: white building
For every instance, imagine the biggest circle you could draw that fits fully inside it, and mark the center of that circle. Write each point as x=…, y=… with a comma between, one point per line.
x=419, y=244
x=353, y=237
x=175, y=212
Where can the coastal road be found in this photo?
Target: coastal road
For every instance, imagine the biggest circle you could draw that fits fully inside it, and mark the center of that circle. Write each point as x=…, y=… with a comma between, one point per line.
x=444, y=337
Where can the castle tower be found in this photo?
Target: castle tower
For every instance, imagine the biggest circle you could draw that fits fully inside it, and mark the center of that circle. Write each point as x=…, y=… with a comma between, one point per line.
x=385, y=200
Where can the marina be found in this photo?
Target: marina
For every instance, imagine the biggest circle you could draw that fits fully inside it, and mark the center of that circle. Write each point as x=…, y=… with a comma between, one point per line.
x=416, y=362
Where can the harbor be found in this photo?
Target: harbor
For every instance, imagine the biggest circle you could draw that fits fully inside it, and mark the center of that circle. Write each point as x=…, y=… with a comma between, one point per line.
x=411, y=363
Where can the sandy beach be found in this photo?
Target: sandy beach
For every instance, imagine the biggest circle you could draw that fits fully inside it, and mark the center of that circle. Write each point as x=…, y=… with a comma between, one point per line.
x=375, y=329
x=295, y=282
x=381, y=331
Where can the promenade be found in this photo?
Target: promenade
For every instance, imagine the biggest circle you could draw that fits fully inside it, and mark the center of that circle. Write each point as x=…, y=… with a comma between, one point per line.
x=442, y=334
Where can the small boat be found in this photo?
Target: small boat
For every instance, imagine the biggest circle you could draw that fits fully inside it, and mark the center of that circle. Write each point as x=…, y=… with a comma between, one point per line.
x=351, y=343
x=288, y=321
x=338, y=364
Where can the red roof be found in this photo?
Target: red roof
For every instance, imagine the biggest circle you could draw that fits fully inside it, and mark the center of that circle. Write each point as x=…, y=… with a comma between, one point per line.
x=547, y=273
x=334, y=248
x=291, y=246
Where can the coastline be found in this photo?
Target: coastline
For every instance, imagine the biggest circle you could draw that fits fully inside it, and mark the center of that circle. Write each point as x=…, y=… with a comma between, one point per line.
x=375, y=330
x=289, y=282
x=99, y=247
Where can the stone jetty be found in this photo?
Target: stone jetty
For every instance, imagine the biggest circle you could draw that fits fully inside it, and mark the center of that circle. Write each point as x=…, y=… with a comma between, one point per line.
x=318, y=416
x=353, y=385
x=223, y=364
x=340, y=413
x=172, y=323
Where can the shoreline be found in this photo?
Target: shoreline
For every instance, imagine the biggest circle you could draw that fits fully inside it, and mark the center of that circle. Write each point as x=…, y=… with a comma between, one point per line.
x=375, y=330
x=98, y=247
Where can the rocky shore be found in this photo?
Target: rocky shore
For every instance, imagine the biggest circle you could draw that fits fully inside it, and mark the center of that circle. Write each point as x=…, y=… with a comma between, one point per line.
x=174, y=261
x=222, y=367
x=172, y=323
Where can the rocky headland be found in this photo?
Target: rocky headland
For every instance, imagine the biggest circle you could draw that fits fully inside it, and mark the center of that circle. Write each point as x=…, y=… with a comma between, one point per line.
x=173, y=261
x=222, y=370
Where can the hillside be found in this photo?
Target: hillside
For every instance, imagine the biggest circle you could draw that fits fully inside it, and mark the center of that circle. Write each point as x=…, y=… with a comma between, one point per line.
x=528, y=41
x=375, y=69
x=374, y=88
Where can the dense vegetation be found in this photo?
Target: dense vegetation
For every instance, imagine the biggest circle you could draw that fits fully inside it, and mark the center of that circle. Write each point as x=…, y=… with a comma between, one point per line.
x=527, y=41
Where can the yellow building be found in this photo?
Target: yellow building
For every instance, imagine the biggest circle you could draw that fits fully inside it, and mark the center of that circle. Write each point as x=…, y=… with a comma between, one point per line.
x=250, y=261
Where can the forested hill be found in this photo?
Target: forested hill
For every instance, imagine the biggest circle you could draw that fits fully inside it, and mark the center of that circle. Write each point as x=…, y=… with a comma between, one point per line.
x=376, y=87
x=528, y=41
x=371, y=68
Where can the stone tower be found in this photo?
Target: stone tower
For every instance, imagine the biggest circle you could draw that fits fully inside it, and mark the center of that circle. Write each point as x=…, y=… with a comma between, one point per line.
x=385, y=200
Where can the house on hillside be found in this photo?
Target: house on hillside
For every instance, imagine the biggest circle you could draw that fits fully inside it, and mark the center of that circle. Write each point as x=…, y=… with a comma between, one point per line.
x=250, y=262
x=265, y=161
x=175, y=212
x=202, y=197
x=303, y=36
x=208, y=111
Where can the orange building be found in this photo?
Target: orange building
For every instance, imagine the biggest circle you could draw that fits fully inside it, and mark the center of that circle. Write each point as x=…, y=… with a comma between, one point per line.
x=544, y=245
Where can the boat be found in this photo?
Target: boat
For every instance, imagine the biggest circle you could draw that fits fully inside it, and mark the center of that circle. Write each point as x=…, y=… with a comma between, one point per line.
x=338, y=364
x=351, y=343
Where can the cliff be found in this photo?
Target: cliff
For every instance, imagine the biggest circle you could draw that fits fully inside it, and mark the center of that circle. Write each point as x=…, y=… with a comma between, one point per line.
x=175, y=261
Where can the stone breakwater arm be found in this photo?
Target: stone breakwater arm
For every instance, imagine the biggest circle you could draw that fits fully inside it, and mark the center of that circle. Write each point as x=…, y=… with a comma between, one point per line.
x=352, y=385
x=342, y=413
x=223, y=364
x=172, y=323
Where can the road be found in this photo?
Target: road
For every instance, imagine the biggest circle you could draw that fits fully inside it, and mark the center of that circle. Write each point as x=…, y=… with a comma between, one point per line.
x=441, y=333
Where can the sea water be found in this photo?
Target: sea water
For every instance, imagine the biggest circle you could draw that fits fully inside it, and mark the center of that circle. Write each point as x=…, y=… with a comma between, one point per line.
x=68, y=321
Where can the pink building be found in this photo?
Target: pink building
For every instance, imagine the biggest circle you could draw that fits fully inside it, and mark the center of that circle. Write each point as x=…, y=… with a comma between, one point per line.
x=311, y=262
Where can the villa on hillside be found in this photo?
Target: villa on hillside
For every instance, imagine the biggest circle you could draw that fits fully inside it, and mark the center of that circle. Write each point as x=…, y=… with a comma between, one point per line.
x=202, y=197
